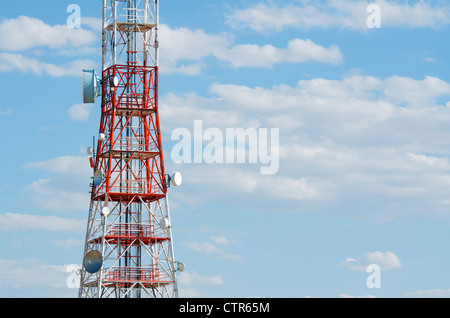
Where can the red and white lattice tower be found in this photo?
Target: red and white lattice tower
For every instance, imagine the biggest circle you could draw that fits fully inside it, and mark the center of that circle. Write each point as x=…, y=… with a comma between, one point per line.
x=129, y=248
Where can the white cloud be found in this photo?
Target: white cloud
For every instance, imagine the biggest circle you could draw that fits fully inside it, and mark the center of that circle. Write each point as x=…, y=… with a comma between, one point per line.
x=27, y=222
x=227, y=179
x=69, y=243
x=349, y=296
x=386, y=261
x=382, y=139
x=430, y=293
x=6, y=112
x=17, y=62
x=92, y=22
x=351, y=104
x=25, y=33
x=429, y=59
x=73, y=165
x=183, y=51
x=183, y=44
x=421, y=160
x=80, y=112
x=297, y=51
x=418, y=15
x=193, y=46
x=49, y=128
x=355, y=99
x=221, y=240
x=21, y=278
x=49, y=196
x=206, y=248
x=268, y=17
x=193, y=285
x=348, y=100
x=24, y=37
x=68, y=190
x=192, y=278
x=182, y=110
x=211, y=249
x=415, y=93
x=190, y=282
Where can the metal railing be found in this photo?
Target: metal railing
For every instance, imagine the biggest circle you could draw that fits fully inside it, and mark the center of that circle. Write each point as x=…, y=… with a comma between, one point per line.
x=134, y=144
x=135, y=274
x=131, y=230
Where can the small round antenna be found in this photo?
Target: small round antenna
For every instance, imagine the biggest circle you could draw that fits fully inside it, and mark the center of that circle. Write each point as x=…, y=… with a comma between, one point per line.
x=90, y=150
x=105, y=212
x=164, y=223
x=180, y=266
x=176, y=179
x=93, y=262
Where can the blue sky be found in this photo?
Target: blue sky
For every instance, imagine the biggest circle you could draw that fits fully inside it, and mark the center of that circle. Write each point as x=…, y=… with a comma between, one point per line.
x=363, y=117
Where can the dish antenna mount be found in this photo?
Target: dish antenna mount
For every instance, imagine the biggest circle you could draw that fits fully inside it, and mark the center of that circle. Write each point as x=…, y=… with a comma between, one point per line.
x=91, y=86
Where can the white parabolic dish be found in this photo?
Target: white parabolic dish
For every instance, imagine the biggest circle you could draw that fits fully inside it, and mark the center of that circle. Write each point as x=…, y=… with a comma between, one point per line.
x=164, y=223
x=98, y=178
x=177, y=179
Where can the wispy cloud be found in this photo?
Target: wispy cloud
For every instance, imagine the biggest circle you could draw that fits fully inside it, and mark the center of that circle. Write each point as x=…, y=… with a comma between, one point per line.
x=27, y=40
x=6, y=112
x=67, y=190
x=383, y=138
x=266, y=56
x=73, y=165
x=46, y=194
x=92, y=23
x=341, y=14
x=430, y=59
x=213, y=249
x=17, y=62
x=193, y=278
x=386, y=261
x=27, y=222
x=350, y=296
x=191, y=283
x=430, y=293
x=69, y=243
x=181, y=52
x=80, y=112
x=25, y=33
x=21, y=278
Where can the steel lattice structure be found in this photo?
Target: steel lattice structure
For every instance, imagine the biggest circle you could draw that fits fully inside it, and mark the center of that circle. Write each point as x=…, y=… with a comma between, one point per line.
x=133, y=234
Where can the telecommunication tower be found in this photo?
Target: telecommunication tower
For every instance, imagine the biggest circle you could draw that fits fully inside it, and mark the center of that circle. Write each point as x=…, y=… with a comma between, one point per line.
x=128, y=250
